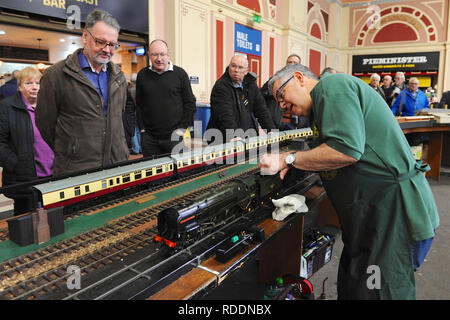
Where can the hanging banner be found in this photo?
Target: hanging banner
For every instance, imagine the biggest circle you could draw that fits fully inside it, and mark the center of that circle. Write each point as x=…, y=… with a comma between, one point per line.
x=130, y=17
x=418, y=61
x=247, y=40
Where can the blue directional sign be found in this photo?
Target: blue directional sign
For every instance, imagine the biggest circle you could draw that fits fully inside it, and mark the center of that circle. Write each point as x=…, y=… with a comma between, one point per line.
x=247, y=40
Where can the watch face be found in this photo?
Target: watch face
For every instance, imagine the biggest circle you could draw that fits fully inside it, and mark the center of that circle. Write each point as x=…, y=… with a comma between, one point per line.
x=290, y=159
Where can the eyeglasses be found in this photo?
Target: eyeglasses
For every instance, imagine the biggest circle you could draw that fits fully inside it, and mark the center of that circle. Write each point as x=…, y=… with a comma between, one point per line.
x=156, y=55
x=103, y=43
x=280, y=94
x=236, y=67
x=31, y=83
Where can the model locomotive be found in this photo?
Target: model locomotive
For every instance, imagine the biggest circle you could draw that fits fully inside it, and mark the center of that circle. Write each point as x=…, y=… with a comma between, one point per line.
x=74, y=193
x=185, y=223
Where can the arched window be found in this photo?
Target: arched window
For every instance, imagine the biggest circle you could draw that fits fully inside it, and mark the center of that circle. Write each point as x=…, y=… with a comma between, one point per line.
x=251, y=4
x=395, y=32
x=315, y=31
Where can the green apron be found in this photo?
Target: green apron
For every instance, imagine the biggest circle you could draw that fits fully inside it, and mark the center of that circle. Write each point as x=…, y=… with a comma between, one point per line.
x=371, y=211
x=383, y=201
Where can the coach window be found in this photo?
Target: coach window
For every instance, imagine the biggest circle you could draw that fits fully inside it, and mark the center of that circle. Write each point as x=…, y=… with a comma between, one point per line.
x=77, y=191
x=86, y=189
x=159, y=170
x=137, y=175
x=104, y=185
x=126, y=178
x=61, y=195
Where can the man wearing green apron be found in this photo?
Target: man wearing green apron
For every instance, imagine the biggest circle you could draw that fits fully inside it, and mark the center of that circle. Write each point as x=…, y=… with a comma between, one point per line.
x=383, y=200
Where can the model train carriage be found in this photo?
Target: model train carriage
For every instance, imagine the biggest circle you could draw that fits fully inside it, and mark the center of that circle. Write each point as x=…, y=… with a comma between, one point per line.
x=255, y=143
x=225, y=153
x=299, y=133
x=277, y=137
x=188, y=160
x=206, y=156
x=76, y=189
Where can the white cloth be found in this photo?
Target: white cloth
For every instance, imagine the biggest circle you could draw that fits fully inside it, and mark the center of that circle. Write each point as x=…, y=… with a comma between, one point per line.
x=289, y=205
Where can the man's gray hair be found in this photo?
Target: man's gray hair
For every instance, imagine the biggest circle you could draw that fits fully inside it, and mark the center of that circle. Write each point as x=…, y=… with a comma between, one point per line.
x=294, y=55
x=375, y=76
x=100, y=15
x=247, y=64
x=288, y=71
x=401, y=75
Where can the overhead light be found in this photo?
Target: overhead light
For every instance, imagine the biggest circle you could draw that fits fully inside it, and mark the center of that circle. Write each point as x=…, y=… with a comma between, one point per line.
x=2, y=32
x=62, y=40
x=140, y=51
x=1, y=63
x=41, y=66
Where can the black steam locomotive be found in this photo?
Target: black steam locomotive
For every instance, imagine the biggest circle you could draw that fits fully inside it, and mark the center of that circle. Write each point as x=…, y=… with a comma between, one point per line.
x=185, y=223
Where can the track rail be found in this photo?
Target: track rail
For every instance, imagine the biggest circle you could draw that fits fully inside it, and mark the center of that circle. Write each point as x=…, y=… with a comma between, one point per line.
x=44, y=271
x=4, y=233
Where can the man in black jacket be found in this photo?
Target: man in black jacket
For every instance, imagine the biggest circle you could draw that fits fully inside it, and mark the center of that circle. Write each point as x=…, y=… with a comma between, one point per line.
x=10, y=87
x=165, y=103
x=445, y=101
x=235, y=102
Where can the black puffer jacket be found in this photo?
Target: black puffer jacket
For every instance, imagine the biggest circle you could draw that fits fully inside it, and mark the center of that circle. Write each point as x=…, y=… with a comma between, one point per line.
x=233, y=108
x=16, y=141
x=272, y=105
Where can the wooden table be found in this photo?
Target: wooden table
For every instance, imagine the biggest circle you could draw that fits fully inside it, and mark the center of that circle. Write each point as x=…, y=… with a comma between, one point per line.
x=436, y=143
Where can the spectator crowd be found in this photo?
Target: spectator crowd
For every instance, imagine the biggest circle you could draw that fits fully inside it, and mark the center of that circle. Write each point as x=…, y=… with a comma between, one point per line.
x=83, y=113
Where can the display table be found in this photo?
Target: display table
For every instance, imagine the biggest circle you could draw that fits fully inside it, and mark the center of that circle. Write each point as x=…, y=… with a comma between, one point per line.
x=429, y=126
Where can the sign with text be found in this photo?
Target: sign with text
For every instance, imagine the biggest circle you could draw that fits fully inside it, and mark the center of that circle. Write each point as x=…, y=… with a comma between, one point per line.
x=247, y=40
x=130, y=17
x=418, y=61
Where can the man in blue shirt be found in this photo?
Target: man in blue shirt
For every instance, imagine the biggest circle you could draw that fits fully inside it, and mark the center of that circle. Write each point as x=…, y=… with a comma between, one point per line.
x=82, y=100
x=410, y=100
x=98, y=79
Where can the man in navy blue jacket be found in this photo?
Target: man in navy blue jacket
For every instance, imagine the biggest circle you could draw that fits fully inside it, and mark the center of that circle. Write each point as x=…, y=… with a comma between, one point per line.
x=9, y=88
x=410, y=100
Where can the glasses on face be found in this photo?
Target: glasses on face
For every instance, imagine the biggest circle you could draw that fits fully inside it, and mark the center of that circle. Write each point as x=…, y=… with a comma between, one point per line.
x=280, y=94
x=156, y=55
x=102, y=43
x=236, y=67
x=31, y=83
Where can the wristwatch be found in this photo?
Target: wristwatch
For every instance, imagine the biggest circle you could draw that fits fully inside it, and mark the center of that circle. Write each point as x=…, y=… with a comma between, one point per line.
x=290, y=159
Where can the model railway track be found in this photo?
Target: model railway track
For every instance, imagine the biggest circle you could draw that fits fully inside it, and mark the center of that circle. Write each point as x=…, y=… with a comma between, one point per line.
x=140, y=277
x=4, y=233
x=149, y=268
x=43, y=271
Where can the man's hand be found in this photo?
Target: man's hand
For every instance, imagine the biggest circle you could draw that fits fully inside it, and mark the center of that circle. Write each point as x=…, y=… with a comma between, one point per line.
x=237, y=139
x=271, y=164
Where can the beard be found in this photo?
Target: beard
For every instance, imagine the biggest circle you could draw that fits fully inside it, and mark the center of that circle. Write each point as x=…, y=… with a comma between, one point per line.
x=100, y=61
